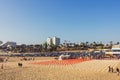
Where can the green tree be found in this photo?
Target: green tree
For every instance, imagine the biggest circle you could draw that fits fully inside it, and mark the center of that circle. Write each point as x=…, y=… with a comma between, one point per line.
x=111, y=44
x=94, y=44
x=1, y=42
x=45, y=46
x=118, y=43
x=87, y=43
x=54, y=47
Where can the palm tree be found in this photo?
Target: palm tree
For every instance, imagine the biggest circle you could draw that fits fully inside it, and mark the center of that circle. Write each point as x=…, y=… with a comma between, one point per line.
x=94, y=44
x=45, y=46
x=91, y=45
x=1, y=42
x=82, y=44
x=118, y=43
x=111, y=44
x=54, y=47
x=87, y=43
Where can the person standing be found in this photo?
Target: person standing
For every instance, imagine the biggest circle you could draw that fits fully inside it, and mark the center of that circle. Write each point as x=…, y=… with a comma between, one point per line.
x=2, y=66
x=112, y=69
x=118, y=71
x=109, y=69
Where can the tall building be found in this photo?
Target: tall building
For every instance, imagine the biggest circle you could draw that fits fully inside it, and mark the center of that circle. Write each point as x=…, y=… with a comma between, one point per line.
x=49, y=41
x=56, y=41
x=53, y=41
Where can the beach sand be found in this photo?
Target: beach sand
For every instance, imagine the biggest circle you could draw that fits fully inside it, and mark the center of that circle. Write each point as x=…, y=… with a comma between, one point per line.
x=88, y=70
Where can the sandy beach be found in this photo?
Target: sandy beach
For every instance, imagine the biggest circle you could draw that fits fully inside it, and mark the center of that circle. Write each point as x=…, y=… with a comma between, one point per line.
x=88, y=70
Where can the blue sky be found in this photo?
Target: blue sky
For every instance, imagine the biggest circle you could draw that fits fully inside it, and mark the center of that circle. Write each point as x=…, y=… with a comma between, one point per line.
x=32, y=21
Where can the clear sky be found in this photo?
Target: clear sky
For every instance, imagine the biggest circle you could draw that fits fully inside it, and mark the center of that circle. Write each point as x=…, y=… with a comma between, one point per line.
x=32, y=21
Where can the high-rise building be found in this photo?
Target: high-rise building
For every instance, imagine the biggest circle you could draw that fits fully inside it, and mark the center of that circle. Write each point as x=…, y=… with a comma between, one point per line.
x=56, y=41
x=53, y=41
x=49, y=41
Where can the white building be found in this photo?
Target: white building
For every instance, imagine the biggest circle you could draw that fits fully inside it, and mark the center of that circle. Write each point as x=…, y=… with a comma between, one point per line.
x=56, y=41
x=9, y=44
x=114, y=50
x=53, y=41
x=49, y=41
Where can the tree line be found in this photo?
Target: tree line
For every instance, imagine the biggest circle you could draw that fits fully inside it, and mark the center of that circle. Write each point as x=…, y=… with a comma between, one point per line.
x=62, y=47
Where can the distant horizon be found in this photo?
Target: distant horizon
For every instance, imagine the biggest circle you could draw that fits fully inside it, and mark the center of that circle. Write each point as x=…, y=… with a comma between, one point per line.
x=62, y=42
x=32, y=22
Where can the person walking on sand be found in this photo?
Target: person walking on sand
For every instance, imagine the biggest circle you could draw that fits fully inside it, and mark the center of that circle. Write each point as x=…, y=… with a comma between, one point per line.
x=20, y=64
x=112, y=69
x=118, y=71
x=109, y=69
x=2, y=66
